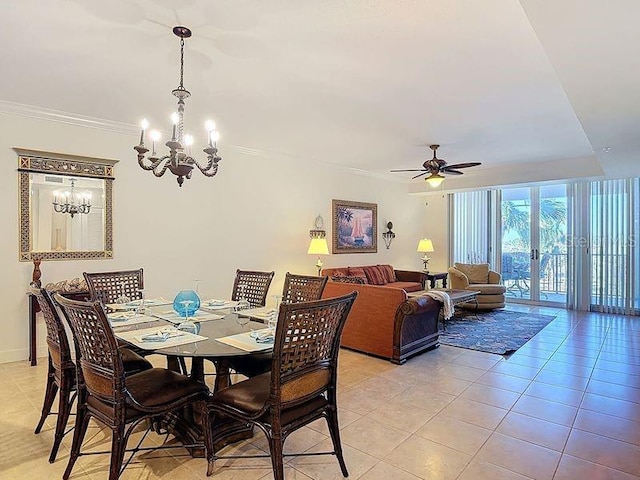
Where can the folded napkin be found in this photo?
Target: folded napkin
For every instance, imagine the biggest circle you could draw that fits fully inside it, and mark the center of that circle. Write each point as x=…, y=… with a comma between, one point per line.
x=216, y=303
x=120, y=316
x=262, y=336
x=161, y=335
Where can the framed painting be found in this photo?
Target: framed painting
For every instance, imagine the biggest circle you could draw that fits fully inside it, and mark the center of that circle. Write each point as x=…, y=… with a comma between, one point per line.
x=355, y=227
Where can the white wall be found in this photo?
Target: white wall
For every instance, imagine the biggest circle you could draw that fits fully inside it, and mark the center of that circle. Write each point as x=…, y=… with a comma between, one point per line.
x=255, y=214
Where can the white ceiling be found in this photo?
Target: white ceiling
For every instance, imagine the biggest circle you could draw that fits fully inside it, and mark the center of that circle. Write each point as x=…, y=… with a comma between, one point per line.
x=365, y=84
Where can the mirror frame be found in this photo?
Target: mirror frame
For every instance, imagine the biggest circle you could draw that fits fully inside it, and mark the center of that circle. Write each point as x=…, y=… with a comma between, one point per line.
x=35, y=161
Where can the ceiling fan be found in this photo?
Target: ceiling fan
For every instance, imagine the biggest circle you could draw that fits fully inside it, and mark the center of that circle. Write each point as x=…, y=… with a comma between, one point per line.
x=436, y=167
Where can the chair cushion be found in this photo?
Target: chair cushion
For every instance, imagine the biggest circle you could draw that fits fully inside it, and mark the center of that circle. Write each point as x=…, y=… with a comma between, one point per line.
x=499, y=298
x=488, y=288
x=249, y=395
x=132, y=362
x=375, y=276
x=389, y=273
x=358, y=272
x=158, y=387
x=252, y=365
x=476, y=272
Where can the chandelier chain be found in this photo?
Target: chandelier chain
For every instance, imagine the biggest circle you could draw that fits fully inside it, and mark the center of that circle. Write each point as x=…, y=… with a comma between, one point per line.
x=181, y=62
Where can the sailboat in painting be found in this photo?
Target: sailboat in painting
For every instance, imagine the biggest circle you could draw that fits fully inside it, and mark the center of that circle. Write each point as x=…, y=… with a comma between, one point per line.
x=358, y=236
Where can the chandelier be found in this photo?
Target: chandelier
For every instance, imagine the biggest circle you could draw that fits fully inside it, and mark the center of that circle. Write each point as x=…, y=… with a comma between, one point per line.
x=71, y=202
x=179, y=160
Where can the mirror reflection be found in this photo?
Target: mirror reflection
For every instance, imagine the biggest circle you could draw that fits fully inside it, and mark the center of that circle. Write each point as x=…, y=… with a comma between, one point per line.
x=66, y=213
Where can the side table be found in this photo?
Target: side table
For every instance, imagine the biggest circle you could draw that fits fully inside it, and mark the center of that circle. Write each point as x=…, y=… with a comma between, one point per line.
x=433, y=277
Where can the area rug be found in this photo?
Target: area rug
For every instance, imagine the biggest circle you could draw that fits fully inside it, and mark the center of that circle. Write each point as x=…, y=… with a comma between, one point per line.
x=498, y=331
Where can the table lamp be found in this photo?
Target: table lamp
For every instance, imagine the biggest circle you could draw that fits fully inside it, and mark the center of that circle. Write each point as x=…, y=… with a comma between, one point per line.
x=425, y=245
x=318, y=246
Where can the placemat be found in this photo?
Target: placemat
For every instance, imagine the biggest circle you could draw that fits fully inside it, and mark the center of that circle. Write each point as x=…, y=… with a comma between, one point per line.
x=134, y=337
x=245, y=341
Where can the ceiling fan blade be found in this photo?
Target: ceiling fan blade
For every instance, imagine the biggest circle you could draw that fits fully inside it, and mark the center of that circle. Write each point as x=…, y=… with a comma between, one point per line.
x=464, y=165
x=450, y=172
x=414, y=170
x=419, y=175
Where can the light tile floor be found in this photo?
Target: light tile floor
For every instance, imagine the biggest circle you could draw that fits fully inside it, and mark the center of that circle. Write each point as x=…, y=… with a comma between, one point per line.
x=564, y=406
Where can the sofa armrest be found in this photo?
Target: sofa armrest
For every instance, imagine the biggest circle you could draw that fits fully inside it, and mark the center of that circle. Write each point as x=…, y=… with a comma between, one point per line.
x=459, y=281
x=411, y=276
x=494, y=277
x=416, y=327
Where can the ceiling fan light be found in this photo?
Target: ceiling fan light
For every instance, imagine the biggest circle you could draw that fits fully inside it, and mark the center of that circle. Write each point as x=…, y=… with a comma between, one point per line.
x=434, y=180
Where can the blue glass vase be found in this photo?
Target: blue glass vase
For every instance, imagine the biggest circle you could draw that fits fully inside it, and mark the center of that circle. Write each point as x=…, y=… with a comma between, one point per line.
x=186, y=303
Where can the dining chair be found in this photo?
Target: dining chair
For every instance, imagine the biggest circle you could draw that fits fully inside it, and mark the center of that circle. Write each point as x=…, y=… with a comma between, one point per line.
x=301, y=386
x=61, y=373
x=118, y=401
x=302, y=288
x=253, y=285
x=107, y=287
x=297, y=288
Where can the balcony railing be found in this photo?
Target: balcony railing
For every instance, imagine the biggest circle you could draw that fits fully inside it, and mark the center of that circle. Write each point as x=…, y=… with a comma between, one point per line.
x=516, y=274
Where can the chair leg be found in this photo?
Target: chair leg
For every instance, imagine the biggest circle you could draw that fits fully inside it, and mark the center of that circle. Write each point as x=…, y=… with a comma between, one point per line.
x=334, y=430
x=64, y=410
x=118, y=446
x=49, y=396
x=82, y=422
x=207, y=433
x=275, y=448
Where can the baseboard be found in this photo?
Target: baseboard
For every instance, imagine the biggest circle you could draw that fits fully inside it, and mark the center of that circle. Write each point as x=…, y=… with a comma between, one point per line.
x=22, y=354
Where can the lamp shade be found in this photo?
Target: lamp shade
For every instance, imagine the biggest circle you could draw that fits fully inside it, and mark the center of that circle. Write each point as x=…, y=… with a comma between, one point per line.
x=318, y=246
x=435, y=180
x=425, y=245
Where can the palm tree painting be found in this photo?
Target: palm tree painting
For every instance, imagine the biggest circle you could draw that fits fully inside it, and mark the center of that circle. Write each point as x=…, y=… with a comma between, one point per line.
x=354, y=227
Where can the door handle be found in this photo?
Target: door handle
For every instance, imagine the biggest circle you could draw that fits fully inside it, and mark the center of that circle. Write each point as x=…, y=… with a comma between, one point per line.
x=533, y=255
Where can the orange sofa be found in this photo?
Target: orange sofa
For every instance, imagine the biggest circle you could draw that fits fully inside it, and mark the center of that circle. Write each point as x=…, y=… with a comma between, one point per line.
x=383, y=321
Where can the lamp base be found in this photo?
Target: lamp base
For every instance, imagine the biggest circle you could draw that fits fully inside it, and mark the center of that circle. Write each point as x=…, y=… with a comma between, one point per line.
x=425, y=262
x=319, y=266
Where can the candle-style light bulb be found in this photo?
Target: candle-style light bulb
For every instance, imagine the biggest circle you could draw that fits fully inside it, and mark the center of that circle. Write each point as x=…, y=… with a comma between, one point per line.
x=210, y=125
x=155, y=137
x=215, y=136
x=188, y=141
x=174, y=119
x=144, y=124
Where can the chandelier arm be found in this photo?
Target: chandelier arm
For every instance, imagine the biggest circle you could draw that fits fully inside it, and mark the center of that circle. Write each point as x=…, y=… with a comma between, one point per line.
x=212, y=165
x=152, y=165
x=166, y=160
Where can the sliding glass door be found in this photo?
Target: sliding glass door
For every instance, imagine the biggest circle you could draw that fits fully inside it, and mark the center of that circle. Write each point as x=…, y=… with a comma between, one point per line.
x=534, y=237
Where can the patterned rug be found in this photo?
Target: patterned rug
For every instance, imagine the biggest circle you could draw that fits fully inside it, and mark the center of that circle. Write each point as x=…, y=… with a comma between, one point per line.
x=497, y=331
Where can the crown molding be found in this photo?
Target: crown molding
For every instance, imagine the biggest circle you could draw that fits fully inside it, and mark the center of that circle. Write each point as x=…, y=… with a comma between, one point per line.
x=51, y=115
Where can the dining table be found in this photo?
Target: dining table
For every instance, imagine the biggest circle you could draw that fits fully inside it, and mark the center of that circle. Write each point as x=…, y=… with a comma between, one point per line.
x=216, y=325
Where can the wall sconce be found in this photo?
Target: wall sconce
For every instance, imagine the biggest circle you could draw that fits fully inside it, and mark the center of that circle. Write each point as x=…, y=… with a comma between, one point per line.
x=318, y=245
x=425, y=246
x=388, y=236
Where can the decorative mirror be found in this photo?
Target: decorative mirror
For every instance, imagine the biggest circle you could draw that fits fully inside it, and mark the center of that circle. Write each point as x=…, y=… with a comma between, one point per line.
x=65, y=206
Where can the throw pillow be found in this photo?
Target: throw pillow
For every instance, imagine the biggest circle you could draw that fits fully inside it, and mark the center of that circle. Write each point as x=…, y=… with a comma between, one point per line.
x=476, y=272
x=347, y=279
x=358, y=272
x=389, y=273
x=339, y=273
x=375, y=276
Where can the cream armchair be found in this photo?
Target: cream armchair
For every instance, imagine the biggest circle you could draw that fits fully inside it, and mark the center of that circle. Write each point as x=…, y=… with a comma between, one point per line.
x=469, y=276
